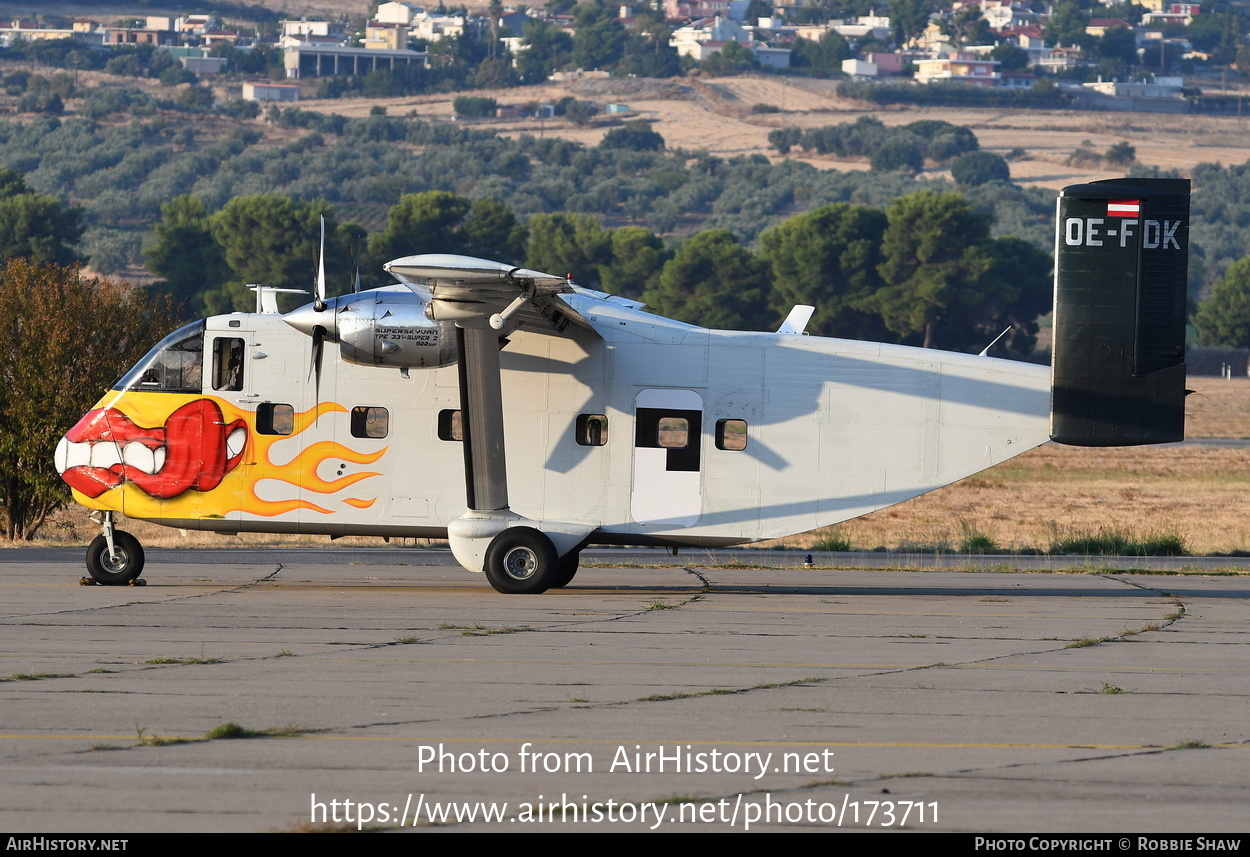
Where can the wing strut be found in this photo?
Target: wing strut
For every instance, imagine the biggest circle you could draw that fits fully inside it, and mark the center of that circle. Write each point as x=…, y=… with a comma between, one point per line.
x=481, y=419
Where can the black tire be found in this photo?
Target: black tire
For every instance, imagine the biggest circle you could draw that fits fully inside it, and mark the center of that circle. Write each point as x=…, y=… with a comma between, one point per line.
x=566, y=569
x=115, y=572
x=521, y=561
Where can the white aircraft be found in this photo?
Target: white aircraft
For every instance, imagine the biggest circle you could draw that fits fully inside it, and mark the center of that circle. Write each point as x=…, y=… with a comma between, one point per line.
x=522, y=417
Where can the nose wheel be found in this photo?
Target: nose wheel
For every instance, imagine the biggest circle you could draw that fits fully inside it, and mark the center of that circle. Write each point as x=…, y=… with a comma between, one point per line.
x=119, y=566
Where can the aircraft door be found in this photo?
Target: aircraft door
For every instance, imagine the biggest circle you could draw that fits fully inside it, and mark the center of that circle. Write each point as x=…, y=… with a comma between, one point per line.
x=668, y=458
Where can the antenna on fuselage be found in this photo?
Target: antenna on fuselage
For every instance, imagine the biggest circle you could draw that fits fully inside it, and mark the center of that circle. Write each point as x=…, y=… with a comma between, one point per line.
x=985, y=351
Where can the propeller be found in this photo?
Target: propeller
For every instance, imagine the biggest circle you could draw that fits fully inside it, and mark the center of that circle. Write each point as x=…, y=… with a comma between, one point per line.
x=319, y=305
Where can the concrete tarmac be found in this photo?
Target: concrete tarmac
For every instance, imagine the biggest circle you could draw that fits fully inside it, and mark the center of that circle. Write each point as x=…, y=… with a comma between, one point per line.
x=676, y=698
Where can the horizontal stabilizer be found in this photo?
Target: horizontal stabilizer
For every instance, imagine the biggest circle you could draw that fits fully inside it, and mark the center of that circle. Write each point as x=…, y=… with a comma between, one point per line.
x=1121, y=257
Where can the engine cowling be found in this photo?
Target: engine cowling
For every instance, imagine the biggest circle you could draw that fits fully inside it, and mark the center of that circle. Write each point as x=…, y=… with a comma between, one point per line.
x=381, y=327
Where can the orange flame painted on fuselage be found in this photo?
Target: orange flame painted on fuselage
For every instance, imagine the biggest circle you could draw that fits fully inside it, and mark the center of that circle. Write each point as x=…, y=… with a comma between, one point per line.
x=267, y=478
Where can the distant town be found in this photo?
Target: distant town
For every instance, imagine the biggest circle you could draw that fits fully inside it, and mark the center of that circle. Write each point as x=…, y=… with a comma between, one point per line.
x=1155, y=55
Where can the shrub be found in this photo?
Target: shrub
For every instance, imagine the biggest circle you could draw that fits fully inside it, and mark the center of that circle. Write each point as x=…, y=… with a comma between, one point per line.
x=977, y=168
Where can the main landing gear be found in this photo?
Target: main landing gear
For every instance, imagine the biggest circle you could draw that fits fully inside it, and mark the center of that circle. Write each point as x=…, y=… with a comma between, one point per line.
x=523, y=561
x=115, y=557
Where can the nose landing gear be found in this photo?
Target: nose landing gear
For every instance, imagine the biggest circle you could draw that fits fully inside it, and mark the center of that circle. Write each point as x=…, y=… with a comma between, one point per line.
x=115, y=557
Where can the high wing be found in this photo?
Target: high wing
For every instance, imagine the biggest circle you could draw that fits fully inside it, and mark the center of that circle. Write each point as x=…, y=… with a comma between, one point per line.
x=462, y=288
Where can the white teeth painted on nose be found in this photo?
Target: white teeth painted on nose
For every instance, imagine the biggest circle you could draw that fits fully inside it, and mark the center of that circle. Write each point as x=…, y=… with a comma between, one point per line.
x=77, y=454
x=158, y=459
x=139, y=457
x=235, y=442
x=61, y=456
x=105, y=454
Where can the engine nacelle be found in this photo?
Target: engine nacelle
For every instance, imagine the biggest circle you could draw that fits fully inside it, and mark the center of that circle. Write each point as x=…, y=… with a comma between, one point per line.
x=381, y=327
x=390, y=328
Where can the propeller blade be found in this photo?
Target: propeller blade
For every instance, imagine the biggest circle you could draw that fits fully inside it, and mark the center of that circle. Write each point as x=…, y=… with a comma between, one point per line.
x=320, y=303
x=318, y=344
x=352, y=253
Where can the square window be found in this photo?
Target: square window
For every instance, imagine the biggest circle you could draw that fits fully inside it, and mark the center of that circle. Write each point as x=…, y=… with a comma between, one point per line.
x=673, y=432
x=592, y=430
x=731, y=434
x=449, y=427
x=370, y=422
x=275, y=418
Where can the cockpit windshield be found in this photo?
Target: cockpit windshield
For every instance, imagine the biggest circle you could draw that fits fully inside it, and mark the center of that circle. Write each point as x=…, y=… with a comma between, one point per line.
x=174, y=365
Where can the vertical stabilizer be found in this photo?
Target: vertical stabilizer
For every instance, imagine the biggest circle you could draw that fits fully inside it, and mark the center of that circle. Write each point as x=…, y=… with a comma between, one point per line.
x=1118, y=368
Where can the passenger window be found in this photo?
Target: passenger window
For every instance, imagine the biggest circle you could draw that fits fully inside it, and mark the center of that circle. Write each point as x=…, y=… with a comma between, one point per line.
x=592, y=429
x=676, y=430
x=673, y=433
x=449, y=425
x=227, y=363
x=370, y=422
x=731, y=434
x=275, y=418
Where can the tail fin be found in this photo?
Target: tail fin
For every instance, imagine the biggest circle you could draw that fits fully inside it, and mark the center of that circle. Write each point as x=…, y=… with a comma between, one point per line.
x=1118, y=368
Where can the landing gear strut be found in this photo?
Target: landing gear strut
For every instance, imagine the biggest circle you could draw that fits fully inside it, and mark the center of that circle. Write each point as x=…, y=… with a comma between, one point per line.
x=114, y=557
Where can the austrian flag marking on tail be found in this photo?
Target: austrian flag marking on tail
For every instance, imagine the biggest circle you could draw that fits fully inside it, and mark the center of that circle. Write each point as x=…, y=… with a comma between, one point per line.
x=1123, y=207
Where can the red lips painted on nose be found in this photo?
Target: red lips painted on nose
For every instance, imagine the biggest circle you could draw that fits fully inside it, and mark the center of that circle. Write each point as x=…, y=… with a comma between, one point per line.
x=194, y=449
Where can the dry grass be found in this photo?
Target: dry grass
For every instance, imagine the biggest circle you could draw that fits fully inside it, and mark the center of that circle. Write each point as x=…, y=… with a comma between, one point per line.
x=1193, y=492
x=716, y=117
x=1218, y=408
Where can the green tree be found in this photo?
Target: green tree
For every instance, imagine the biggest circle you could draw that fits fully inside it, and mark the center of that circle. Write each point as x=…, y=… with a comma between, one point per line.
x=899, y=152
x=11, y=183
x=828, y=258
x=637, y=258
x=1010, y=57
x=1224, y=318
x=65, y=338
x=491, y=231
x=909, y=18
x=1016, y=289
x=733, y=58
x=824, y=55
x=474, y=105
x=784, y=139
x=186, y=255
x=38, y=228
x=1067, y=25
x=715, y=282
x=496, y=73
x=568, y=243
x=273, y=240
x=1119, y=44
x=967, y=27
x=637, y=136
x=932, y=262
x=599, y=39
x=977, y=168
x=426, y=222
x=545, y=49
x=1121, y=154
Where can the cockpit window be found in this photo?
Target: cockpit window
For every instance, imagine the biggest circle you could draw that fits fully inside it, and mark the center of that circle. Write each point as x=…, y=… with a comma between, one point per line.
x=175, y=365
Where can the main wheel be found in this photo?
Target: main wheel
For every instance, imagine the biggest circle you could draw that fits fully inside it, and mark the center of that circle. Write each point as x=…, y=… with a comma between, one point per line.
x=521, y=561
x=116, y=570
x=566, y=569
